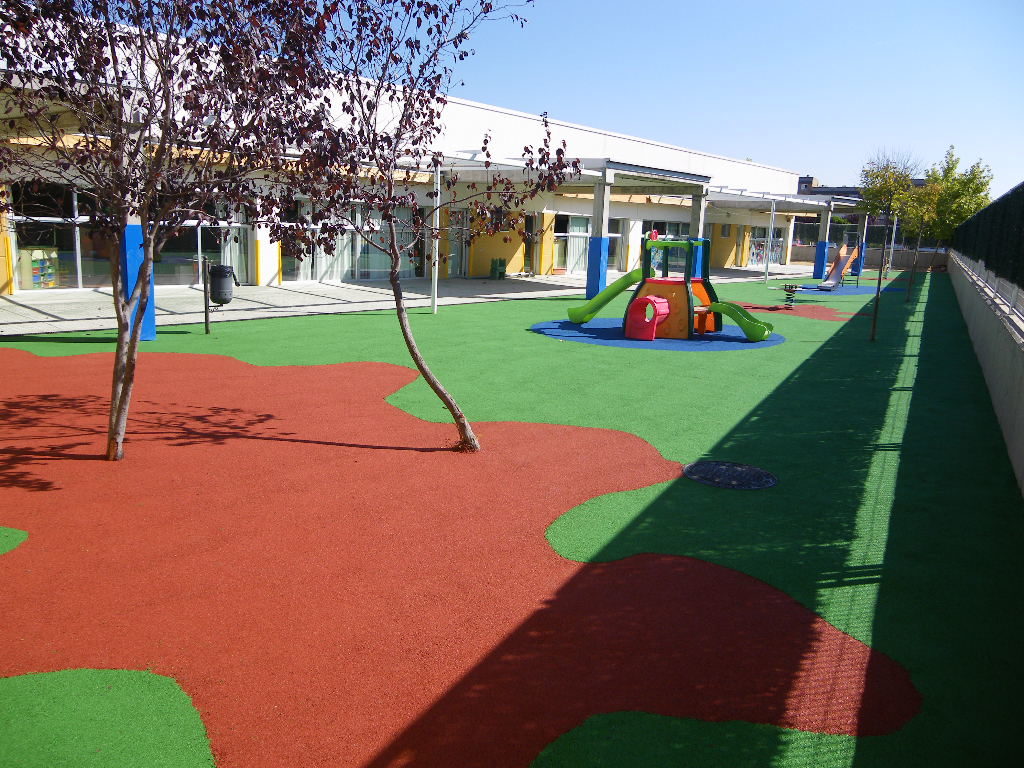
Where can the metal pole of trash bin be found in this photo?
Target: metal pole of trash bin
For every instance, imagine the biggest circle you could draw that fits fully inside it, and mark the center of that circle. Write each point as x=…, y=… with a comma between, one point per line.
x=204, y=266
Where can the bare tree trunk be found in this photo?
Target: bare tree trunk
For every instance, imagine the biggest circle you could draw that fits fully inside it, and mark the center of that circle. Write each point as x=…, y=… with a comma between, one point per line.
x=913, y=268
x=467, y=438
x=127, y=352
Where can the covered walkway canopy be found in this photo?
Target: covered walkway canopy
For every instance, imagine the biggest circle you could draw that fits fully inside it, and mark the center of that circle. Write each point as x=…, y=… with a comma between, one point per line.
x=822, y=206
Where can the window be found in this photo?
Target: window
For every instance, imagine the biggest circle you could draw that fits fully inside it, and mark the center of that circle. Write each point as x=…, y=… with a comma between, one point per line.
x=42, y=201
x=56, y=247
x=726, y=230
x=667, y=230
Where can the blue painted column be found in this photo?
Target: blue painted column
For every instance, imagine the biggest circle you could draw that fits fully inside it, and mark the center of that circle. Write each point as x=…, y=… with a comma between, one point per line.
x=821, y=253
x=821, y=261
x=698, y=264
x=597, y=248
x=131, y=263
x=862, y=232
x=597, y=266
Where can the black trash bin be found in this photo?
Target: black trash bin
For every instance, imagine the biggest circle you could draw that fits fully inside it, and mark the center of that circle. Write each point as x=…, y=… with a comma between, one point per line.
x=221, y=278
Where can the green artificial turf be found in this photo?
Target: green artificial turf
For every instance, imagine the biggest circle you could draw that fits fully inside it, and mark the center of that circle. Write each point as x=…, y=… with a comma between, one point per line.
x=99, y=718
x=638, y=739
x=10, y=538
x=897, y=517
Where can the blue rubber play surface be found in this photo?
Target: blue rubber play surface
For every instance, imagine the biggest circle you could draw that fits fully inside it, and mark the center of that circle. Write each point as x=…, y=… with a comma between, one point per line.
x=607, y=332
x=849, y=290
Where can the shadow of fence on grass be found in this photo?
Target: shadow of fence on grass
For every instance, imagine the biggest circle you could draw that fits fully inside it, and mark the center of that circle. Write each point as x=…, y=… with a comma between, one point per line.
x=818, y=540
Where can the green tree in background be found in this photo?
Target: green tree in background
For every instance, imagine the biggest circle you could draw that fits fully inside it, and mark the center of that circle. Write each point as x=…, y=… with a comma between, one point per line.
x=886, y=181
x=920, y=215
x=960, y=194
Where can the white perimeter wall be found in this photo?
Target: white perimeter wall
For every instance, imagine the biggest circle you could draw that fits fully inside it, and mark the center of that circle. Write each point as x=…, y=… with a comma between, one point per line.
x=999, y=346
x=466, y=123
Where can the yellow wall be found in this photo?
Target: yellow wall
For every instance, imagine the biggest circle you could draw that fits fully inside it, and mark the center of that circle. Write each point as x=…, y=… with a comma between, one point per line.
x=744, y=255
x=487, y=247
x=547, y=244
x=6, y=259
x=723, y=247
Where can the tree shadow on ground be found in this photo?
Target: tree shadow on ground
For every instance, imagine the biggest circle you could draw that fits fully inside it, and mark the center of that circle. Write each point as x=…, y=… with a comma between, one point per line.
x=38, y=429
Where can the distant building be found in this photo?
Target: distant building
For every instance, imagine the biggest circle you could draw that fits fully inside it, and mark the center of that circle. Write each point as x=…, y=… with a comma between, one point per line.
x=809, y=185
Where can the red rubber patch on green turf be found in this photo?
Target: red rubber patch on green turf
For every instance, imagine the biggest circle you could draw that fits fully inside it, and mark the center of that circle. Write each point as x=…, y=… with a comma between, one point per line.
x=810, y=311
x=332, y=588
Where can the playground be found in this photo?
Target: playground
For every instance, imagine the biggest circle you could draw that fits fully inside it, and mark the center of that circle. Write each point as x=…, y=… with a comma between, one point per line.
x=291, y=568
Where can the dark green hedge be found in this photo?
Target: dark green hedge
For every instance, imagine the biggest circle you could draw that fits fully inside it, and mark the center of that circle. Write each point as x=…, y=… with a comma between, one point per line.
x=995, y=235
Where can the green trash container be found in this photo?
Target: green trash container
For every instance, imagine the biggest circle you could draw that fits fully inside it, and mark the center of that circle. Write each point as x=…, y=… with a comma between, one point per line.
x=498, y=269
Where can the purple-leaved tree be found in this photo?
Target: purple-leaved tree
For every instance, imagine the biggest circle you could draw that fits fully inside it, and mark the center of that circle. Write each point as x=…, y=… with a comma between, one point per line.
x=157, y=112
x=394, y=61
x=161, y=112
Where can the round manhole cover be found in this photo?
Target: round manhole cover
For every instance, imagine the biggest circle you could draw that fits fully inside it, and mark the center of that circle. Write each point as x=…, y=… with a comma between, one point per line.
x=729, y=474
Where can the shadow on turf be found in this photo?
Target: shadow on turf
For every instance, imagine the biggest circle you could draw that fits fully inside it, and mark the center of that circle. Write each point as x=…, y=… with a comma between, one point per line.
x=820, y=431
x=951, y=566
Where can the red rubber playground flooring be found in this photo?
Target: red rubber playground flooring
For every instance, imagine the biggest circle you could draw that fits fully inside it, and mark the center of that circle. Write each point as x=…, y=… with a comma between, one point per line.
x=332, y=587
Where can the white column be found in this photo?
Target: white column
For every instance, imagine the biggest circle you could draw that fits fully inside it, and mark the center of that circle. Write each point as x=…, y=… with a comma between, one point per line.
x=788, y=247
x=633, y=239
x=825, y=223
x=602, y=207
x=768, y=242
x=698, y=211
x=268, y=257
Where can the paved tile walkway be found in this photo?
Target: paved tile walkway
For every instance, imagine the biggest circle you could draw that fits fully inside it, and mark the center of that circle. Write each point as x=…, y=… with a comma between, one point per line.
x=90, y=309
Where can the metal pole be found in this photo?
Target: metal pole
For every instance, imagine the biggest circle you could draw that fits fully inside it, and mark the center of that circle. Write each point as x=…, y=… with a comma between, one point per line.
x=878, y=284
x=892, y=244
x=768, y=245
x=204, y=266
x=435, y=242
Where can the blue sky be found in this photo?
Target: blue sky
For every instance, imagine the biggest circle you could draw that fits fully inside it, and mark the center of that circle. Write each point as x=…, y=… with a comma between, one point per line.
x=814, y=87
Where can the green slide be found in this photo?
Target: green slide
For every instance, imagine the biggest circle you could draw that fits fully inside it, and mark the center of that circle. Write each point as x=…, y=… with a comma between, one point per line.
x=756, y=330
x=586, y=313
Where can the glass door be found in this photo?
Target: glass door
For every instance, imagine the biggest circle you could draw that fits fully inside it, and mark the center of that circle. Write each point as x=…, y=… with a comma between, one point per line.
x=375, y=259
x=531, y=248
x=616, y=251
x=228, y=245
x=458, y=251
x=577, y=242
x=336, y=265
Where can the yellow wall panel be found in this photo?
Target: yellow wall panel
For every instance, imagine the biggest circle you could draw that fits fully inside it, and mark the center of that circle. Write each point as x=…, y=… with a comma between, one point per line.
x=547, y=244
x=723, y=247
x=487, y=247
x=6, y=259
